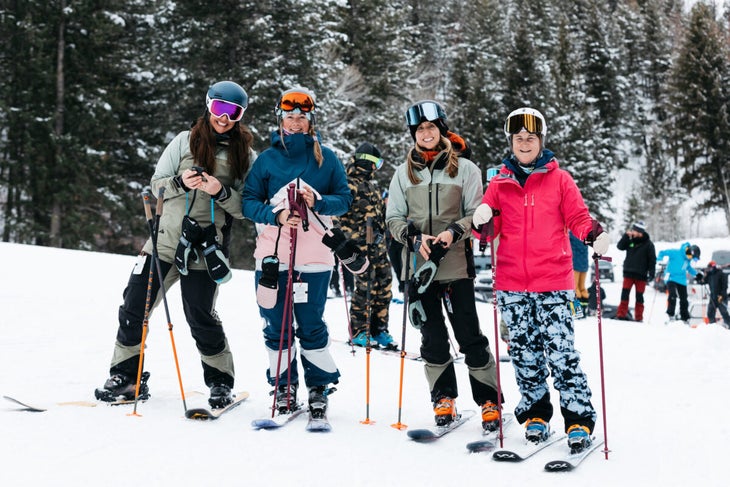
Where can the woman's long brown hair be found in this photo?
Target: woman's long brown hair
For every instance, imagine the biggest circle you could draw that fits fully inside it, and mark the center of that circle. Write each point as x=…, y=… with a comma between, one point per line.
x=203, y=147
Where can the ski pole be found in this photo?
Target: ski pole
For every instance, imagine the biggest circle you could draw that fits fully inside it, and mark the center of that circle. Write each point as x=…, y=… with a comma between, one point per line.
x=599, y=313
x=160, y=277
x=398, y=424
x=368, y=322
x=347, y=308
x=488, y=231
x=148, y=304
x=288, y=314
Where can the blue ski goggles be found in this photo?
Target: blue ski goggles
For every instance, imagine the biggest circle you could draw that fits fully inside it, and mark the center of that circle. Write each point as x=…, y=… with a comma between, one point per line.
x=424, y=111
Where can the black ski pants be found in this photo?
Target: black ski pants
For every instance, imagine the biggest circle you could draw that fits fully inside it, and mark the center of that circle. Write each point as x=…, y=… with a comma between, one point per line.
x=198, y=292
x=457, y=298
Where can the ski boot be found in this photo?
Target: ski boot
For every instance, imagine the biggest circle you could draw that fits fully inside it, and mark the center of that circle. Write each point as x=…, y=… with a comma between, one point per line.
x=444, y=410
x=536, y=430
x=220, y=396
x=579, y=438
x=286, y=398
x=318, y=402
x=490, y=416
x=120, y=387
x=361, y=340
x=385, y=341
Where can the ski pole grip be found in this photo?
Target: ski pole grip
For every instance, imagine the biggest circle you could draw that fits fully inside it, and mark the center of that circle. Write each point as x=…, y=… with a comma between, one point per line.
x=147, y=205
x=160, y=194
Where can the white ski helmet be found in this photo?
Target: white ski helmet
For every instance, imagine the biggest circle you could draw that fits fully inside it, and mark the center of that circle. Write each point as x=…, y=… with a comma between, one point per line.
x=527, y=119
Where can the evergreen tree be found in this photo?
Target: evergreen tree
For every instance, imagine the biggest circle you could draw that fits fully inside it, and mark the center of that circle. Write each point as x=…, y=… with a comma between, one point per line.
x=700, y=125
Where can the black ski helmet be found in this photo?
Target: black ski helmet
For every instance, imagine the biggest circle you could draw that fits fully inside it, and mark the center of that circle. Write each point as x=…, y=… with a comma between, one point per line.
x=695, y=250
x=426, y=111
x=228, y=91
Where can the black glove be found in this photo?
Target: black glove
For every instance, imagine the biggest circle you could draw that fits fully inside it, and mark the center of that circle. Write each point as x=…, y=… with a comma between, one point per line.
x=416, y=313
x=268, y=285
x=699, y=278
x=425, y=274
x=190, y=237
x=346, y=250
x=215, y=261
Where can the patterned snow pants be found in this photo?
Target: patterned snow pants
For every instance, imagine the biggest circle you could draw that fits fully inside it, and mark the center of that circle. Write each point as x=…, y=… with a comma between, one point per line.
x=541, y=337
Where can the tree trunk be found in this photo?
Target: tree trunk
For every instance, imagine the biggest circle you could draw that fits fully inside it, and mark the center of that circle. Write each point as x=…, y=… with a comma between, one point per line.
x=55, y=230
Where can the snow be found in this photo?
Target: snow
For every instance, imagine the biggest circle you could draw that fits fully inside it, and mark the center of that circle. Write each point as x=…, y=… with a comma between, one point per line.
x=666, y=395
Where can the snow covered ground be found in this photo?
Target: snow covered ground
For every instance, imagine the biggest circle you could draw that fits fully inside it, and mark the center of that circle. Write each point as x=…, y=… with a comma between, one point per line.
x=666, y=388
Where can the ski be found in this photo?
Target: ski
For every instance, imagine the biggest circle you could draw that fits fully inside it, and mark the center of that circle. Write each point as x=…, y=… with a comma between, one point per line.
x=277, y=421
x=489, y=438
x=526, y=449
x=570, y=461
x=23, y=406
x=318, y=425
x=208, y=414
x=425, y=434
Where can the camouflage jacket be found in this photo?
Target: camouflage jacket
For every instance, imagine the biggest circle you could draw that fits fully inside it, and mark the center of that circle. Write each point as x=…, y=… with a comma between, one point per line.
x=366, y=203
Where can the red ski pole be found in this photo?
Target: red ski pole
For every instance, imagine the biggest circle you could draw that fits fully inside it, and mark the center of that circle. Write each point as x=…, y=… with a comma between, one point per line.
x=599, y=313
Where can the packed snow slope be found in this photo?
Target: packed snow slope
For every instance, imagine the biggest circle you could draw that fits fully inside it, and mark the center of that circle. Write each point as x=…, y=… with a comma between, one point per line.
x=666, y=388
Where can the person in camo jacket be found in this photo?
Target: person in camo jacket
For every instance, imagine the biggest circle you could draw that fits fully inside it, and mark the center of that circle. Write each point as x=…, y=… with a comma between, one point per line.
x=367, y=203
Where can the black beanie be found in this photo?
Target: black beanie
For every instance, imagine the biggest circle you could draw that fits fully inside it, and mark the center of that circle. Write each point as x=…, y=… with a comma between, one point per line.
x=367, y=148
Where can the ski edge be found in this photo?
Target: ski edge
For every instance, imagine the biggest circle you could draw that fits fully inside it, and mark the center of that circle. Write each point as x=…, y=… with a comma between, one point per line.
x=527, y=450
x=204, y=414
x=272, y=423
x=572, y=460
x=423, y=435
x=25, y=406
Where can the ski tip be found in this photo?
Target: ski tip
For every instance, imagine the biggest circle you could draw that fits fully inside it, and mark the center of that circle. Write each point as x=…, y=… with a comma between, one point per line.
x=200, y=414
x=506, y=456
x=480, y=446
x=558, y=466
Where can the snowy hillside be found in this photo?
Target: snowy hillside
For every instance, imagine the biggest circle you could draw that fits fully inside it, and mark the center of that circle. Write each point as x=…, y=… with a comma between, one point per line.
x=666, y=385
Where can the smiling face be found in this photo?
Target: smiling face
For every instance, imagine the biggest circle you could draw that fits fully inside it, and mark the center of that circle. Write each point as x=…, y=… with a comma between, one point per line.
x=295, y=123
x=221, y=124
x=428, y=135
x=526, y=147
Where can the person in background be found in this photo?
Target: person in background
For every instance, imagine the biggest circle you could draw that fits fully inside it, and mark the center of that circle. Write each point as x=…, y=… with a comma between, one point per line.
x=202, y=171
x=534, y=203
x=296, y=157
x=375, y=284
x=678, y=266
x=716, y=280
x=639, y=268
x=432, y=197
x=395, y=251
x=580, y=271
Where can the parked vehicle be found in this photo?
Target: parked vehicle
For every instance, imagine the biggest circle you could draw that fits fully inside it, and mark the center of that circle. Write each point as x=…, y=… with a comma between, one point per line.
x=722, y=260
x=605, y=270
x=483, y=280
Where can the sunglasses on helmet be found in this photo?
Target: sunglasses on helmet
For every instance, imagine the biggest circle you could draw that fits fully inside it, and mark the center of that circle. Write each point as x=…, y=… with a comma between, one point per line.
x=527, y=121
x=377, y=161
x=218, y=108
x=296, y=101
x=428, y=111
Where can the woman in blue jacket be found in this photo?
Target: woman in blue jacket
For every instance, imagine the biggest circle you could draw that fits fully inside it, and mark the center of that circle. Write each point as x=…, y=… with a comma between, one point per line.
x=679, y=265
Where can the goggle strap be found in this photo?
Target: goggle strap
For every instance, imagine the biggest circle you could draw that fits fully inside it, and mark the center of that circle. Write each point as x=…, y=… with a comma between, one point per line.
x=369, y=157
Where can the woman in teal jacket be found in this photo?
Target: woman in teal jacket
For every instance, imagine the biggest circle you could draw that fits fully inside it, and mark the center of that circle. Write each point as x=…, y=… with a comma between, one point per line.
x=678, y=266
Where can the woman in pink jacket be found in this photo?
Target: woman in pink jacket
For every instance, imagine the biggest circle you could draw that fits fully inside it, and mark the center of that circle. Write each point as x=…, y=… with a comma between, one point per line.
x=534, y=203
